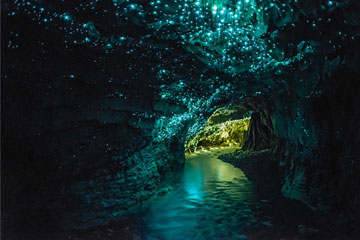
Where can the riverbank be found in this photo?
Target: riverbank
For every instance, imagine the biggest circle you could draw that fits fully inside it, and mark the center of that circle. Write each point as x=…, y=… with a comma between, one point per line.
x=294, y=219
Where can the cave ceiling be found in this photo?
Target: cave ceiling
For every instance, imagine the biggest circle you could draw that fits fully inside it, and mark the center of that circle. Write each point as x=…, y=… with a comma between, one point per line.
x=196, y=53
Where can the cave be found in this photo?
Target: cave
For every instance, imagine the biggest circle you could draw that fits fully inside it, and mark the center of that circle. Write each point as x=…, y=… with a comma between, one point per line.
x=184, y=119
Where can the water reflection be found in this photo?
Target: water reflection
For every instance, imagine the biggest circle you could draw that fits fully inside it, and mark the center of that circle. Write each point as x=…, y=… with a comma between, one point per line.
x=210, y=200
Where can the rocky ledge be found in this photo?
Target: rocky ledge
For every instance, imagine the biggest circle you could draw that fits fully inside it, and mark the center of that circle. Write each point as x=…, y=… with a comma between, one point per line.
x=261, y=168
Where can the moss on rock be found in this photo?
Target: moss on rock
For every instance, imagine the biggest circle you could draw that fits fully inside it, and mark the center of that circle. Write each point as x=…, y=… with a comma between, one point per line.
x=222, y=134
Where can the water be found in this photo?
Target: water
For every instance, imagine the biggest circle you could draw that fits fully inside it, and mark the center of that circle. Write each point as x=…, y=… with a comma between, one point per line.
x=210, y=199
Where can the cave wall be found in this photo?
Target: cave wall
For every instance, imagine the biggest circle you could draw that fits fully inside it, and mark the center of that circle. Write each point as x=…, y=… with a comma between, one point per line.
x=78, y=130
x=316, y=145
x=314, y=117
x=76, y=150
x=260, y=134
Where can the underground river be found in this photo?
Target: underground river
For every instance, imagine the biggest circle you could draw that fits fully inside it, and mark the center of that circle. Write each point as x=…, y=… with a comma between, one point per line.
x=209, y=199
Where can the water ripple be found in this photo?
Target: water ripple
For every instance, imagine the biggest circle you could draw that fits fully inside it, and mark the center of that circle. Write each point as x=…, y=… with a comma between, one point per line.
x=211, y=200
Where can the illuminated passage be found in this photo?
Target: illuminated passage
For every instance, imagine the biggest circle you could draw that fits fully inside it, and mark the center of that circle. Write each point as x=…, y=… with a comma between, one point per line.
x=225, y=127
x=209, y=199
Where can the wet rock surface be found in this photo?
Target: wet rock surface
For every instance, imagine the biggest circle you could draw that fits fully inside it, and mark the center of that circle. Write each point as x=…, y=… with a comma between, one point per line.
x=292, y=217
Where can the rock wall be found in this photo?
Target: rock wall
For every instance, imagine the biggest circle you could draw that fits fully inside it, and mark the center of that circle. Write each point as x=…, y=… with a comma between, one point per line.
x=80, y=130
x=75, y=150
x=315, y=103
x=316, y=145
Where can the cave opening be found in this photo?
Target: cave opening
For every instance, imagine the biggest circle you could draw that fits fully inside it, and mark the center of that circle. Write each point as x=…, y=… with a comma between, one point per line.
x=246, y=126
x=226, y=127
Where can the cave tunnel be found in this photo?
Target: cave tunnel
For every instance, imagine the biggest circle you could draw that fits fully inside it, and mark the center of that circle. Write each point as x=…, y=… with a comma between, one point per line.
x=184, y=119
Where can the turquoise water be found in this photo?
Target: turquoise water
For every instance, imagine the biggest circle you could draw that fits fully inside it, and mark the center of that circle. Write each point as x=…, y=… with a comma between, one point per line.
x=210, y=199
